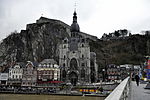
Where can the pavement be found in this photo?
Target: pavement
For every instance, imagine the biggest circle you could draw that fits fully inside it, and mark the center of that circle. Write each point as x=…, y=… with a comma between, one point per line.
x=138, y=92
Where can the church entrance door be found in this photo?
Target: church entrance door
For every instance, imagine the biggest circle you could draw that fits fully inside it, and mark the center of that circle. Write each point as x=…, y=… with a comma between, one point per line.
x=73, y=78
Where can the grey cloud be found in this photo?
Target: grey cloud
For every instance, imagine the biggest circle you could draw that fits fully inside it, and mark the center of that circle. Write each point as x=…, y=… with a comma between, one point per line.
x=15, y=14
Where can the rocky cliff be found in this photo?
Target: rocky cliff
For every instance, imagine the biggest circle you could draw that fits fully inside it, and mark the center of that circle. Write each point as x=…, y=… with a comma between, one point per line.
x=40, y=40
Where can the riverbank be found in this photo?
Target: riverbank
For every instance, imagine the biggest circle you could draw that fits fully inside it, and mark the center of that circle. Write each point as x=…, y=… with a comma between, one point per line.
x=46, y=97
x=59, y=94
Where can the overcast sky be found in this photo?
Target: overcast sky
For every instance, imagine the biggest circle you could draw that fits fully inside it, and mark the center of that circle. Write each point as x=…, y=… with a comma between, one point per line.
x=94, y=16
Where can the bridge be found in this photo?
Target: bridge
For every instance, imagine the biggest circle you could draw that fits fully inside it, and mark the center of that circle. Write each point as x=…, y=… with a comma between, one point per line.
x=128, y=90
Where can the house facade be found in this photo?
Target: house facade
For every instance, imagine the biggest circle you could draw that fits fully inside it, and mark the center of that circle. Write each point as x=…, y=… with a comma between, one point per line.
x=29, y=77
x=48, y=71
x=113, y=72
x=15, y=74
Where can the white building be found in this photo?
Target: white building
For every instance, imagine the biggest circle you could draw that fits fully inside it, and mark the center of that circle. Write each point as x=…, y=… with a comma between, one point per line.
x=15, y=74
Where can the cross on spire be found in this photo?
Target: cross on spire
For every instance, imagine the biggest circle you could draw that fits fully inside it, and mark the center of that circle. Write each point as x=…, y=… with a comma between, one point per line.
x=75, y=5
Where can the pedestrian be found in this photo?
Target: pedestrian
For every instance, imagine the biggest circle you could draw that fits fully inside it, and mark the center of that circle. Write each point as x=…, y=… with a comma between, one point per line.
x=137, y=78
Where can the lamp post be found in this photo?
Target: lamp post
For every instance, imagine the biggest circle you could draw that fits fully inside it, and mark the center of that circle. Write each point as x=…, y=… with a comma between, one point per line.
x=105, y=69
x=103, y=72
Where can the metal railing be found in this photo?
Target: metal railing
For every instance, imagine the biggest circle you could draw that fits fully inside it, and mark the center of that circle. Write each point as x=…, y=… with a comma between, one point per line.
x=121, y=92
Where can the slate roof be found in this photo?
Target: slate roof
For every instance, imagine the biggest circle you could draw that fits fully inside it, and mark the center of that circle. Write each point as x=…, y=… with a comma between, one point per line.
x=47, y=61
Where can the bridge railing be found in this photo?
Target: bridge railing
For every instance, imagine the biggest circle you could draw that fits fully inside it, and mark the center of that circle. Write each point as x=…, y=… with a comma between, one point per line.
x=121, y=92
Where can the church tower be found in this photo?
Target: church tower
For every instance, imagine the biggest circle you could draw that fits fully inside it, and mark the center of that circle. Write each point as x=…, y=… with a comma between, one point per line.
x=74, y=57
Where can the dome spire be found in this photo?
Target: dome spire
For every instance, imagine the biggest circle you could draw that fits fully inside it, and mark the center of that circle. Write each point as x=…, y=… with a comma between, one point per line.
x=74, y=26
x=75, y=14
x=74, y=17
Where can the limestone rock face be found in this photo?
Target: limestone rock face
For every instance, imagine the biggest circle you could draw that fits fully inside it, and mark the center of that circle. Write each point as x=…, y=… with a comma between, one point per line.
x=39, y=41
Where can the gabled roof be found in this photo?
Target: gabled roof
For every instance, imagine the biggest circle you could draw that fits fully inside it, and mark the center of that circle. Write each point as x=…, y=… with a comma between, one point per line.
x=47, y=61
x=35, y=64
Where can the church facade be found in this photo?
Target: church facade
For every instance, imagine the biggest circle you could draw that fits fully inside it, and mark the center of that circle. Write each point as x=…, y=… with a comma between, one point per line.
x=78, y=64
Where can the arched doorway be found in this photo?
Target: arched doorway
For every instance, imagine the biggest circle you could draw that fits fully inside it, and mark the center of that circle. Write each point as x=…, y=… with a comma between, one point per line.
x=63, y=75
x=73, y=77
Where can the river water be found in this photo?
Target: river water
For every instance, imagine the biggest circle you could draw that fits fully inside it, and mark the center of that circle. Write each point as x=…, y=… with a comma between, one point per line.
x=45, y=97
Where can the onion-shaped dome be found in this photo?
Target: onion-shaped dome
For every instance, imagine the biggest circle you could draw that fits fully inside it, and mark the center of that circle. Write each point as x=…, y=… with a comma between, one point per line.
x=74, y=26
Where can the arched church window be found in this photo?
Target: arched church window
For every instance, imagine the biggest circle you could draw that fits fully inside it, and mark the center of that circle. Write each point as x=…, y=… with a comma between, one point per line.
x=73, y=64
x=64, y=65
x=82, y=73
x=82, y=65
x=64, y=57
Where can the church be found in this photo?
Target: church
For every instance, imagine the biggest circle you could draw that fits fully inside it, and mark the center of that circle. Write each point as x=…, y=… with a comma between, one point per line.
x=78, y=64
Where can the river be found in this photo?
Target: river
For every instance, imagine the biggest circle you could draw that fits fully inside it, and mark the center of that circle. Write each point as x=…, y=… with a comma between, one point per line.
x=45, y=97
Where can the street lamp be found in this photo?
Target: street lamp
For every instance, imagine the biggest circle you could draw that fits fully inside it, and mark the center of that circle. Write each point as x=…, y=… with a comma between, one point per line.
x=103, y=72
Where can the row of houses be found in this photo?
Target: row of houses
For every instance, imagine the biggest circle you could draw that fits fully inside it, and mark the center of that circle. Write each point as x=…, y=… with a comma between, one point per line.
x=121, y=72
x=31, y=74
